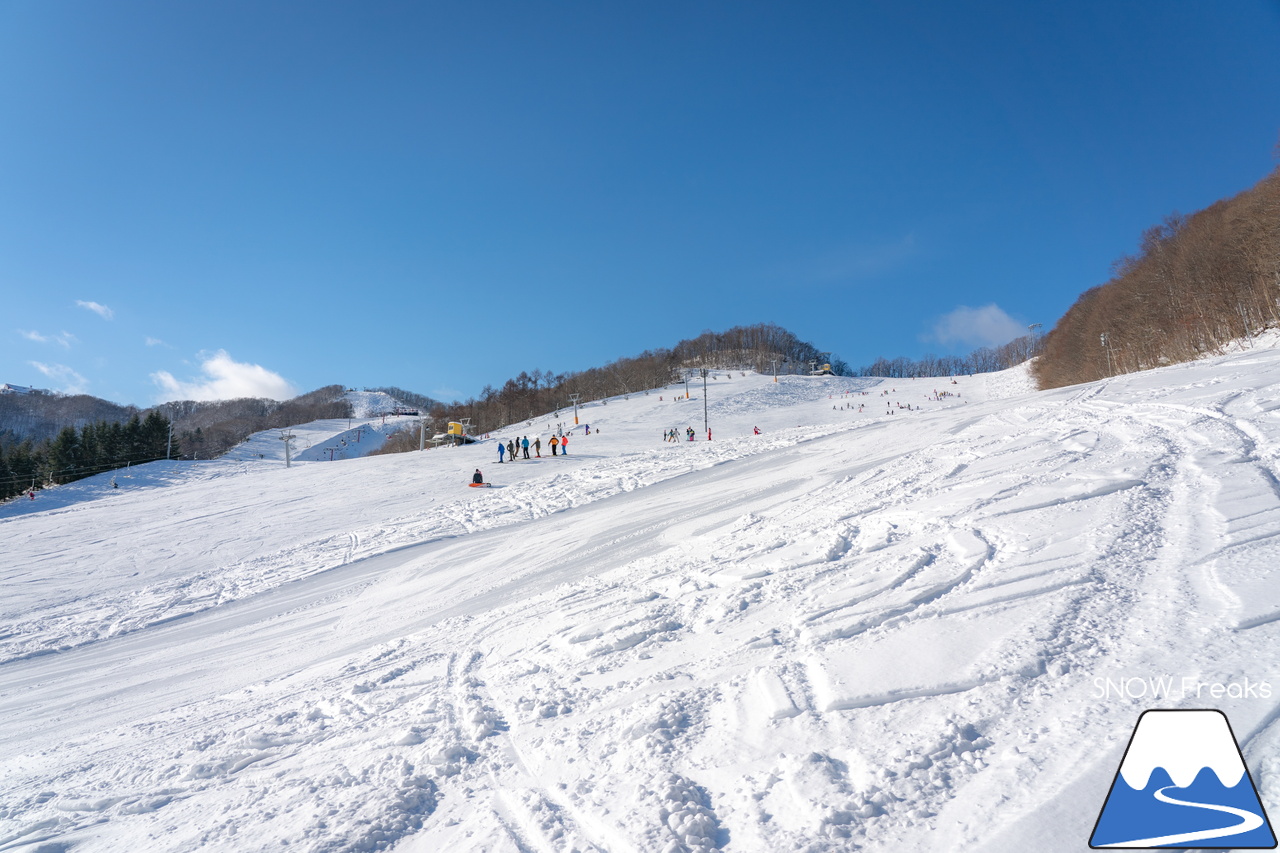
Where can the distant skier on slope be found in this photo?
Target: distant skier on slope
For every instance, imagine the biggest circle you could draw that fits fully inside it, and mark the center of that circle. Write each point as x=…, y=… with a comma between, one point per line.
x=564, y=446
x=502, y=448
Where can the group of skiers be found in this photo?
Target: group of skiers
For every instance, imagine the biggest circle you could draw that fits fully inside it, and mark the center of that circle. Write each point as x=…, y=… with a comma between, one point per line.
x=673, y=435
x=513, y=448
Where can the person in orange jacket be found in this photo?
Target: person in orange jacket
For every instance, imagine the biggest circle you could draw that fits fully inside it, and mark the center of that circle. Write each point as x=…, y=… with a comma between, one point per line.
x=554, y=444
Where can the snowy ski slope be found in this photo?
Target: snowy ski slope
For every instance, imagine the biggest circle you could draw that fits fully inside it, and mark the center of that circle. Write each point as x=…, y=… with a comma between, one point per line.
x=921, y=631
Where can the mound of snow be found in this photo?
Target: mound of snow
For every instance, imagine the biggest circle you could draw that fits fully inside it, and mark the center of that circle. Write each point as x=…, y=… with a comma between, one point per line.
x=369, y=404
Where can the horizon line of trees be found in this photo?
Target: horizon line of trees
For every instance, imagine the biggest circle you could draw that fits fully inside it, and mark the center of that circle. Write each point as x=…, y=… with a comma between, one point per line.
x=1195, y=284
x=981, y=360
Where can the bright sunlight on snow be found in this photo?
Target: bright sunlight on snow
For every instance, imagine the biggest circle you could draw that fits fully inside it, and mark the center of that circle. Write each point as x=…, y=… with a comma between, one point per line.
x=878, y=624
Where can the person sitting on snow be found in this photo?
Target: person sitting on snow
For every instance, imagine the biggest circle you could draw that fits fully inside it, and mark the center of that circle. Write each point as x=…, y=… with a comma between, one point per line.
x=477, y=477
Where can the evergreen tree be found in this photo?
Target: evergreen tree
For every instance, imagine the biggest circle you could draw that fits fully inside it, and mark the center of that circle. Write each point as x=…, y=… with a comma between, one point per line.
x=155, y=435
x=8, y=484
x=64, y=456
x=134, y=447
x=90, y=447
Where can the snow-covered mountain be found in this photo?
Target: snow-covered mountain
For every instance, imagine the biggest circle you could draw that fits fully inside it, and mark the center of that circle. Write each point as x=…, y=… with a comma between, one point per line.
x=867, y=627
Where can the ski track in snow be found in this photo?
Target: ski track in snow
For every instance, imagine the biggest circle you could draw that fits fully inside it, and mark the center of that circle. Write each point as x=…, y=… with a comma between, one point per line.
x=855, y=631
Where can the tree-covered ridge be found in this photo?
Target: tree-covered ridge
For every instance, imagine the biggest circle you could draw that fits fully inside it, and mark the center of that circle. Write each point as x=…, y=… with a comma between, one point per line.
x=207, y=429
x=763, y=347
x=981, y=360
x=39, y=416
x=78, y=453
x=1197, y=283
x=48, y=439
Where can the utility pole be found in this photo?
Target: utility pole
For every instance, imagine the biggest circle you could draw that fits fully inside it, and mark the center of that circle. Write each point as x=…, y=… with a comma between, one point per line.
x=773, y=364
x=1106, y=346
x=168, y=448
x=287, y=438
x=574, y=398
x=422, y=433
x=705, y=427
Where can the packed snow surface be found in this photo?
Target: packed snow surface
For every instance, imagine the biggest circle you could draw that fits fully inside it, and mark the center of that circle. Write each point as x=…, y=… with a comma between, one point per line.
x=868, y=627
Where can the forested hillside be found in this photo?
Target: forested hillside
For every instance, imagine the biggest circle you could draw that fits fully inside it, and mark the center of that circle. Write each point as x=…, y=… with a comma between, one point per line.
x=48, y=438
x=206, y=429
x=40, y=415
x=81, y=452
x=1196, y=283
x=981, y=360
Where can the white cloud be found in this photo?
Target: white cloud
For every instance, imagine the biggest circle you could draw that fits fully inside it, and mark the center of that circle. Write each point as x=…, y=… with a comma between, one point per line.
x=64, y=340
x=155, y=342
x=224, y=379
x=988, y=326
x=101, y=310
x=69, y=381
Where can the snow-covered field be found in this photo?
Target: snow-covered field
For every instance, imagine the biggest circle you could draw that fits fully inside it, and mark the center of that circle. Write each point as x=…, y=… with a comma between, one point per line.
x=887, y=630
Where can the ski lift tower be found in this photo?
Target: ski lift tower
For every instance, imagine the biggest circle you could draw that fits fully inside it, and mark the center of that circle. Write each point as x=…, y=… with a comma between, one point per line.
x=705, y=425
x=574, y=398
x=287, y=437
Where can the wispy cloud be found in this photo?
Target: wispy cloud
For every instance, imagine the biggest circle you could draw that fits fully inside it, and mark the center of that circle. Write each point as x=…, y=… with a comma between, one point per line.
x=67, y=380
x=988, y=326
x=101, y=310
x=64, y=339
x=224, y=378
x=855, y=262
x=155, y=342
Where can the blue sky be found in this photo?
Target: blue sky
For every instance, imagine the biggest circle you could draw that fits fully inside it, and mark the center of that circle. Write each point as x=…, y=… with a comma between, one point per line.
x=260, y=197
